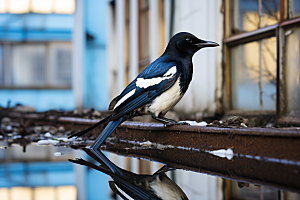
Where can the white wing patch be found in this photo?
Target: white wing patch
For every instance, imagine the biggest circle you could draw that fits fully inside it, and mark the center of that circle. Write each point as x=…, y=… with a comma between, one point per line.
x=144, y=83
x=129, y=94
x=171, y=71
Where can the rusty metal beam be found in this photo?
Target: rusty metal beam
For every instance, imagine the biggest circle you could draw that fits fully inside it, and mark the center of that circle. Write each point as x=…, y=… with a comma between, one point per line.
x=264, y=156
x=261, y=156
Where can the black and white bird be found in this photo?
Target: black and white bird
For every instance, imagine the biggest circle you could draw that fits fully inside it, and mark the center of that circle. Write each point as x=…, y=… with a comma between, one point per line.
x=129, y=185
x=157, y=89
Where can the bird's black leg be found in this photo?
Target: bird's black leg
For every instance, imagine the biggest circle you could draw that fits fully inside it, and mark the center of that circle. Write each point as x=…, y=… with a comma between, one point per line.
x=168, y=122
x=110, y=127
x=94, y=148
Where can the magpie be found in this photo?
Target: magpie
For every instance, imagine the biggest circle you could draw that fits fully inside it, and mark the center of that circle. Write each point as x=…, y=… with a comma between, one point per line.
x=156, y=89
x=129, y=185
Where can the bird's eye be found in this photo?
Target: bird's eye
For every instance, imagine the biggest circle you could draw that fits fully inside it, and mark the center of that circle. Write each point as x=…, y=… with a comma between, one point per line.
x=189, y=40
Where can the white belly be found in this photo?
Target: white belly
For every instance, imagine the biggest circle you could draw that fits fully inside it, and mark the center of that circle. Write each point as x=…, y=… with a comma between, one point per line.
x=166, y=101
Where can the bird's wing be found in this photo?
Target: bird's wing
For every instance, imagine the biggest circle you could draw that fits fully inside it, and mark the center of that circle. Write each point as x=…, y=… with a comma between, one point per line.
x=154, y=80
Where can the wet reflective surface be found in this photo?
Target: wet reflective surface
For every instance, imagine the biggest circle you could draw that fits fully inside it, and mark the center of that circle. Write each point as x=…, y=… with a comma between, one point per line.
x=130, y=185
x=223, y=162
x=231, y=153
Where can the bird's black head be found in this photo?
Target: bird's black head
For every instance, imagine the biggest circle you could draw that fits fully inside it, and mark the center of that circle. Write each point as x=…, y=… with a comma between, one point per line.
x=187, y=44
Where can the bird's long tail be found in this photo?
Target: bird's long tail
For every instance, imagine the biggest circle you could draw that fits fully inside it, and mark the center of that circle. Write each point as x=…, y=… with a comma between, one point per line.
x=110, y=127
x=104, y=161
x=81, y=133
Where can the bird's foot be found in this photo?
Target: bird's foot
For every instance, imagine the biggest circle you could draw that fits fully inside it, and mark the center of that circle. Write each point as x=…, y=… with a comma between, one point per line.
x=176, y=123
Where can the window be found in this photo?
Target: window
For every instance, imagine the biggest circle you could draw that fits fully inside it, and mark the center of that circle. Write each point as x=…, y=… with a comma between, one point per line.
x=294, y=8
x=37, y=6
x=1, y=65
x=262, y=67
x=39, y=193
x=35, y=65
x=61, y=56
x=292, y=72
x=253, y=75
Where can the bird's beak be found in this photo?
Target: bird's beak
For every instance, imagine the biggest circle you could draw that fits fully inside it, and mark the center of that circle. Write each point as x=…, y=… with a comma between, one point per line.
x=207, y=44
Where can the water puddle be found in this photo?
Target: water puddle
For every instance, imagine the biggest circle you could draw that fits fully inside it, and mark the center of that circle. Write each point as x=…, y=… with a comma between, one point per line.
x=222, y=162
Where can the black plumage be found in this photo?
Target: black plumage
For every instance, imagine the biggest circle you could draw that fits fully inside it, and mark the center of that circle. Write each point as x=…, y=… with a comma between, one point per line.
x=156, y=89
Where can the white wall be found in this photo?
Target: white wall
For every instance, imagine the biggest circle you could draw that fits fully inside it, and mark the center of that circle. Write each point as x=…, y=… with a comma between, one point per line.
x=203, y=19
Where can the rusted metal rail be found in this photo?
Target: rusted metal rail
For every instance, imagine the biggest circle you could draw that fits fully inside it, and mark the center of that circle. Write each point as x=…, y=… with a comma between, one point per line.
x=263, y=156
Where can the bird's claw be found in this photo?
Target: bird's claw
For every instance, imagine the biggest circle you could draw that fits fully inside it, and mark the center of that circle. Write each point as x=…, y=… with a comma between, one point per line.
x=176, y=123
x=182, y=123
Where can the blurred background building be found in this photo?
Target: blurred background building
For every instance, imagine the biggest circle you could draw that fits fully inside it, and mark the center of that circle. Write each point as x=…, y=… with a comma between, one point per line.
x=78, y=54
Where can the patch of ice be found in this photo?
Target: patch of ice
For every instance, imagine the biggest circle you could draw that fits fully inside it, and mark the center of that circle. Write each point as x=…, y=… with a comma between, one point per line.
x=66, y=139
x=194, y=123
x=163, y=147
x=146, y=144
x=48, y=134
x=223, y=153
x=16, y=136
x=47, y=142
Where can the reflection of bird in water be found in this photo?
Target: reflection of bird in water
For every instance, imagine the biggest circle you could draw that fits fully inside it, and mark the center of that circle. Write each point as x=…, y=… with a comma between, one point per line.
x=129, y=185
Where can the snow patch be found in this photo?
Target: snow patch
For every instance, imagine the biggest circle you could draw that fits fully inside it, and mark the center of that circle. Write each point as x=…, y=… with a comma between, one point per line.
x=48, y=142
x=66, y=139
x=223, y=153
x=48, y=135
x=194, y=123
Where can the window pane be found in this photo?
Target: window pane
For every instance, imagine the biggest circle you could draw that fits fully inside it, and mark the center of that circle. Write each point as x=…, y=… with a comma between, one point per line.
x=28, y=65
x=253, y=75
x=44, y=193
x=245, y=15
x=66, y=193
x=270, y=12
x=62, y=72
x=1, y=65
x=17, y=193
x=293, y=72
x=294, y=8
x=252, y=192
x=4, y=193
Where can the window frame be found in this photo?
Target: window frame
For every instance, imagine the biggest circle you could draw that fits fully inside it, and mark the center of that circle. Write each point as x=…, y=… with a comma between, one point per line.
x=49, y=65
x=277, y=30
